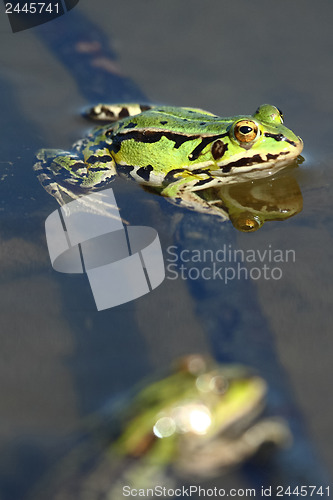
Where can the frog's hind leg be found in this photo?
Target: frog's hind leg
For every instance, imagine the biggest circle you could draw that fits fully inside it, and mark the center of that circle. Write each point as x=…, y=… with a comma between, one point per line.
x=54, y=176
x=66, y=175
x=114, y=112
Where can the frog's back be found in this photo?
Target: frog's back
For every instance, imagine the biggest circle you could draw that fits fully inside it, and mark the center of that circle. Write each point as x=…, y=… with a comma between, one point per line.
x=179, y=120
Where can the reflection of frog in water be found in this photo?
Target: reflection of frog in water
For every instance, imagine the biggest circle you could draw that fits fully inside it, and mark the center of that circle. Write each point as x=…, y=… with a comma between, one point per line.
x=177, y=152
x=250, y=204
x=201, y=420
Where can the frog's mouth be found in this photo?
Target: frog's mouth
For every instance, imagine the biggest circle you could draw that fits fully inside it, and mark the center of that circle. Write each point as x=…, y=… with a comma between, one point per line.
x=255, y=167
x=259, y=160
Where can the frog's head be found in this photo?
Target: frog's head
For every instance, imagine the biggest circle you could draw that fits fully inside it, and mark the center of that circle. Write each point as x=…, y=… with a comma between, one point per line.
x=258, y=142
x=231, y=397
x=226, y=429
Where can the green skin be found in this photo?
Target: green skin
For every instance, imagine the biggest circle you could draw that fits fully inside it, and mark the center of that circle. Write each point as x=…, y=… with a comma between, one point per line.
x=176, y=151
x=231, y=395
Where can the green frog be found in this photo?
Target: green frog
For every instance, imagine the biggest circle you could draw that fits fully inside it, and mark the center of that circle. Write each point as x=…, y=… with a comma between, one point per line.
x=176, y=151
x=202, y=419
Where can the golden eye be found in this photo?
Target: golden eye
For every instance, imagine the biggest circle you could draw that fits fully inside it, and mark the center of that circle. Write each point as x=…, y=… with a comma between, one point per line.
x=246, y=131
x=246, y=222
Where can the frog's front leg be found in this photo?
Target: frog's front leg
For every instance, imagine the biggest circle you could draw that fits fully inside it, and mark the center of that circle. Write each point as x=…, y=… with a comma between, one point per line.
x=182, y=186
x=67, y=175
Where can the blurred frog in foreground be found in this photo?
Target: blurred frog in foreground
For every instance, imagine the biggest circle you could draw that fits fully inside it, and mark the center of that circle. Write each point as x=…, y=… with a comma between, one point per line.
x=198, y=422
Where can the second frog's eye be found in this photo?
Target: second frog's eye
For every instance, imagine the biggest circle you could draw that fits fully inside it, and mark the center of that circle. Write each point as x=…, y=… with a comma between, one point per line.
x=246, y=131
x=281, y=115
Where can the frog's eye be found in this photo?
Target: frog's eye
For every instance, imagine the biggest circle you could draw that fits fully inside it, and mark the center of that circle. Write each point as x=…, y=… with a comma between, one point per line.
x=268, y=113
x=246, y=222
x=246, y=131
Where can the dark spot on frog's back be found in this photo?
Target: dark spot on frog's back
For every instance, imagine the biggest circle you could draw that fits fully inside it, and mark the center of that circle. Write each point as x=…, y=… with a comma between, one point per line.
x=144, y=172
x=144, y=107
x=151, y=136
x=105, y=110
x=164, y=122
x=123, y=113
x=194, y=155
x=131, y=125
x=218, y=149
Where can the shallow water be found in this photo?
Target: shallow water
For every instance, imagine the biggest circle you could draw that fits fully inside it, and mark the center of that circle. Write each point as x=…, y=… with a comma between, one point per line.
x=60, y=358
